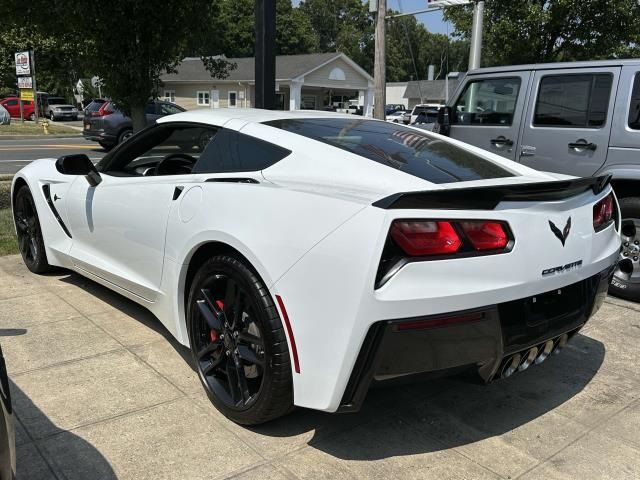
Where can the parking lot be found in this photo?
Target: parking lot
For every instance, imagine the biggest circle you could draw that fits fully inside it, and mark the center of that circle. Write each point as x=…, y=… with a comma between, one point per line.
x=101, y=392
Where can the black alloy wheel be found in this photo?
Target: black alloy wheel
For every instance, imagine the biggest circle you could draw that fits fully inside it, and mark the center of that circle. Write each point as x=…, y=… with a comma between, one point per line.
x=30, y=242
x=238, y=343
x=626, y=278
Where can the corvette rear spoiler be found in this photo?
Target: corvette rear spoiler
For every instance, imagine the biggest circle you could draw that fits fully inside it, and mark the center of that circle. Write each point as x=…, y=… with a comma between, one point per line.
x=487, y=198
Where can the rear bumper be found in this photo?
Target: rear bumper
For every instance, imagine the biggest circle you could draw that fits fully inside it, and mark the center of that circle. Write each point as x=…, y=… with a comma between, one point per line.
x=481, y=339
x=99, y=136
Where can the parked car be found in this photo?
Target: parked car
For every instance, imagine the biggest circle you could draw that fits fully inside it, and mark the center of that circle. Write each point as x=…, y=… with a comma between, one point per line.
x=5, y=118
x=57, y=108
x=393, y=107
x=425, y=113
x=12, y=105
x=7, y=429
x=580, y=118
x=395, y=117
x=111, y=127
x=271, y=233
x=93, y=107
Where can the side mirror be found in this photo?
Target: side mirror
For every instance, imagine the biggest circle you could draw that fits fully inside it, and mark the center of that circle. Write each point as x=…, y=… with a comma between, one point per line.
x=443, y=123
x=79, y=165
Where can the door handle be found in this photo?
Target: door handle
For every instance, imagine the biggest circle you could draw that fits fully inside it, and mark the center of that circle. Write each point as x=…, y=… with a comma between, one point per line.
x=582, y=144
x=501, y=141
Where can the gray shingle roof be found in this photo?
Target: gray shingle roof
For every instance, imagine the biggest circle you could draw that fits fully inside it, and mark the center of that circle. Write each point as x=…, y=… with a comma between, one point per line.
x=287, y=67
x=429, y=89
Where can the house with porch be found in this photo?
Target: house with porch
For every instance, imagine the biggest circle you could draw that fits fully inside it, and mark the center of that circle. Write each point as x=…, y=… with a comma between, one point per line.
x=315, y=81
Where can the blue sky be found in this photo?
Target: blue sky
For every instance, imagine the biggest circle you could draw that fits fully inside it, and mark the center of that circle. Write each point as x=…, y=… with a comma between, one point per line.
x=432, y=20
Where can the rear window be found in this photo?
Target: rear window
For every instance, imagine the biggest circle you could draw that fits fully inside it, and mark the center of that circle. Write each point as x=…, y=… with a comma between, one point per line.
x=95, y=105
x=634, y=107
x=417, y=153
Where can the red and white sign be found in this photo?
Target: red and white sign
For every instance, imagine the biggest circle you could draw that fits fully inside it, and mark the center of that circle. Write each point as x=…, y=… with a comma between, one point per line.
x=23, y=63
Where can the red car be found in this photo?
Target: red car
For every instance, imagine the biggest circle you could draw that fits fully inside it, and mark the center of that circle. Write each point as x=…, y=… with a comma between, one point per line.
x=12, y=105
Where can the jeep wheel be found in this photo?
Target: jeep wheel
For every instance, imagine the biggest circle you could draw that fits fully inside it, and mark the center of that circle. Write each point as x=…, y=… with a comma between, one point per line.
x=626, y=278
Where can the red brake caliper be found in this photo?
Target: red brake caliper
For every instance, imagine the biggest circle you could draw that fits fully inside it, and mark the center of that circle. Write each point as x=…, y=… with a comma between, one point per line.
x=214, y=334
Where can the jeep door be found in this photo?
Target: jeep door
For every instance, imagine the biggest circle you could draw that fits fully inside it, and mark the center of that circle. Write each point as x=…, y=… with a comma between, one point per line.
x=568, y=120
x=488, y=111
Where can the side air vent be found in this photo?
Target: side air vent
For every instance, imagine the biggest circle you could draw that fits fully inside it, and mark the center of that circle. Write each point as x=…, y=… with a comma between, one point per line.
x=46, y=189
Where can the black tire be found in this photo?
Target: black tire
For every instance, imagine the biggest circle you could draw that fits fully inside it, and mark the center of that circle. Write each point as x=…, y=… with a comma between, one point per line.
x=626, y=278
x=238, y=344
x=106, y=146
x=124, y=135
x=30, y=240
x=32, y=117
x=51, y=117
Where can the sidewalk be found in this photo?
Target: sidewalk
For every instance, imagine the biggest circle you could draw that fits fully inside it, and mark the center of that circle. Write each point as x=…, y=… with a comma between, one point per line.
x=102, y=391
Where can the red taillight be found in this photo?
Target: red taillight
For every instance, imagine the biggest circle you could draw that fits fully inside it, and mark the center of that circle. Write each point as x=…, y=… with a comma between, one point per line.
x=485, y=235
x=419, y=238
x=603, y=212
x=105, y=109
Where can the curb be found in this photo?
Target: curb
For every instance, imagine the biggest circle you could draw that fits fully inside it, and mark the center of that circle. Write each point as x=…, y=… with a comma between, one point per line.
x=33, y=137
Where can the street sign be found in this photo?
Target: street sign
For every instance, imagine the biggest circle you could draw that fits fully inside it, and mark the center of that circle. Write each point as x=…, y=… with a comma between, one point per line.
x=25, y=82
x=23, y=64
x=26, y=94
x=373, y=6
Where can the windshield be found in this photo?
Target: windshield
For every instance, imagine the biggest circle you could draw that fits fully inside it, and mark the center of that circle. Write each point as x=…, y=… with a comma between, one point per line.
x=56, y=101
x=417, y=153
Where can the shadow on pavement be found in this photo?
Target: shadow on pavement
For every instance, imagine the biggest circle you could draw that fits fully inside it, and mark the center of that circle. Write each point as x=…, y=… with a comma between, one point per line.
x=419, y=417
x=80, y=457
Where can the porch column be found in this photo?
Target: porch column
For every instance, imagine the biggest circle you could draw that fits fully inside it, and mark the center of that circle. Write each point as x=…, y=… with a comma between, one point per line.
x=295, y=90
x=368, y=102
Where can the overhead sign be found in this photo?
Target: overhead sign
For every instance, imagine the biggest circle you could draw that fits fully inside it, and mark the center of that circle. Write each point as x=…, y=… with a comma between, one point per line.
x=23, y=63
x=25, y=82
x=26, y=94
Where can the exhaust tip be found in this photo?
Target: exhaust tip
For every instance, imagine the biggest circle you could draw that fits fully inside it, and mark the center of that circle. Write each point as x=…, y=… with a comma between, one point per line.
x=560, y=343
x=528, y=359
x=510, y=366
x=545, y=351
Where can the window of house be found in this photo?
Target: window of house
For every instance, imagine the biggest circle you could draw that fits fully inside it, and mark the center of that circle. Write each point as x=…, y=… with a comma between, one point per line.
x=573, y=100
x=203, y=98
x=490, y=101
x=170, y=96
x=233, y=96
x=634, y=107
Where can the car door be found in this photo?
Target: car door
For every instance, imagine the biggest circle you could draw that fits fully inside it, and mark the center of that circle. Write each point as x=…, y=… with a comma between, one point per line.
x=568, y=120
x=488, y=111
x=118, y=227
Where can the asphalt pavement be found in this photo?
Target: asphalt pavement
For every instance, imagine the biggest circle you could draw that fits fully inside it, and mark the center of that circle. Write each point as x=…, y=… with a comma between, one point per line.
x=15, y=154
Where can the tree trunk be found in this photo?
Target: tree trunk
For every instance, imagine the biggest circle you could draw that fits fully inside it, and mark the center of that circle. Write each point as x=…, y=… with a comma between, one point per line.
x=138, y=117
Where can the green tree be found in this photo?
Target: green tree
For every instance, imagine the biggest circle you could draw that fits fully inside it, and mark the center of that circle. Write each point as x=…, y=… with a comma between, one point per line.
x=529, y=31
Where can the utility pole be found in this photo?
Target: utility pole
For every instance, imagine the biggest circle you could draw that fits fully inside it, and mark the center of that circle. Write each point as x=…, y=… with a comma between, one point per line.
x=380, y=64
x=35, y=88
x=265, y=61
x=476, y=35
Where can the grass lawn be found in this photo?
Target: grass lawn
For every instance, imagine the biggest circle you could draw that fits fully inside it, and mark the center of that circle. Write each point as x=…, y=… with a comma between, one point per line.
x=30, y=128
x=8, y=244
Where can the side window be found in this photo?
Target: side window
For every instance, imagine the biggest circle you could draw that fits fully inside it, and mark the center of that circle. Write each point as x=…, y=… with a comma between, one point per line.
x=150, y=109
x=168, y=109
x=163, y=150
x=573, y=100
x=231, y=151
x=634, y=107
x=11, y=103
x=487, y=102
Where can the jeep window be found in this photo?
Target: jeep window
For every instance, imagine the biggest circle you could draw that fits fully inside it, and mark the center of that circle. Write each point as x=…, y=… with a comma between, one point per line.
x=418, y=153
x=491, y=101
x=634, y=107
x=573, y=100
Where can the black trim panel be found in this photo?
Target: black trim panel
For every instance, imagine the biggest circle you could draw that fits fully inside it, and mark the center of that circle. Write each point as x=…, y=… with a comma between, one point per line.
x=232, y=180
x=487, y=198
x=46, y=189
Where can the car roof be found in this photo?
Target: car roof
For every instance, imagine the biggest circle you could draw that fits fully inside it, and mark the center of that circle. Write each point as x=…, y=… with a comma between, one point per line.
x=220, y=116
x=557, y=66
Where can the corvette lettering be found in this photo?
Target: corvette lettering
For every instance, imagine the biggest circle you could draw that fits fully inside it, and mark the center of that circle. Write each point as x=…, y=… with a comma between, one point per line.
x=562, y=269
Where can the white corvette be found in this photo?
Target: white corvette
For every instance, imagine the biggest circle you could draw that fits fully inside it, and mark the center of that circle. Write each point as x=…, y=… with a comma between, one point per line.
x=304, y=255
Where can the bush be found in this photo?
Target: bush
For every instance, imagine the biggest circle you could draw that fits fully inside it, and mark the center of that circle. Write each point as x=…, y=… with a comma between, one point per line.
x=5, y=195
